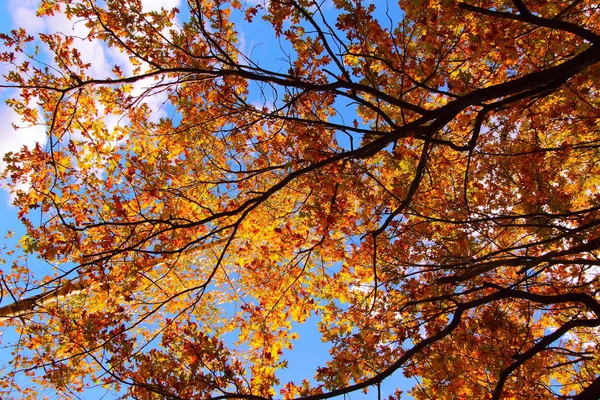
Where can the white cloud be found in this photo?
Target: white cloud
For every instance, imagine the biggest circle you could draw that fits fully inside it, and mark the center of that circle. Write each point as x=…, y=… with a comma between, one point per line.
x=155, y=5
x=13, y=140
x=23, y=14
x=591, y=273
x=92, y=51
x=155, y=102
x=95, y=52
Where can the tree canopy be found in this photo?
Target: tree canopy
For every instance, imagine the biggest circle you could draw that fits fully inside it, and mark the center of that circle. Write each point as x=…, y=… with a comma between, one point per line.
x=421, y=178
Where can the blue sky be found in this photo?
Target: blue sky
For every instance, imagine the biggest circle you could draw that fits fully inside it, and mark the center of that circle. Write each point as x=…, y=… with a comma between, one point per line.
x=309, y=352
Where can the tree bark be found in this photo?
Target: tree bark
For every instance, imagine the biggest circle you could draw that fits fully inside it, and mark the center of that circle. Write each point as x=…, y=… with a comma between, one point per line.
x=26, y=306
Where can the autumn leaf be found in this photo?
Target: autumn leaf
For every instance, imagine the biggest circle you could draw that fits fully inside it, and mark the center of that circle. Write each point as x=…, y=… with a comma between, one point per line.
x=420, y=179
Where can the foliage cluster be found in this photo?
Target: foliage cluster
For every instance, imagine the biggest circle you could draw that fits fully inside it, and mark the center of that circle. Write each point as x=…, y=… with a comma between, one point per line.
x=422, y=177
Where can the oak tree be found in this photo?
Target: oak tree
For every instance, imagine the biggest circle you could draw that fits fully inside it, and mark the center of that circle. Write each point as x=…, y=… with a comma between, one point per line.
x=421, y=178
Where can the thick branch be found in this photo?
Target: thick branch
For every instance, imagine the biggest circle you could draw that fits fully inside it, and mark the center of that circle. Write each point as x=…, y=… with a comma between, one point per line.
x=535, y=20
x=528, y=262
x=456, y=318
x=590, y=392
x=541, y=345
x=27, y=305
